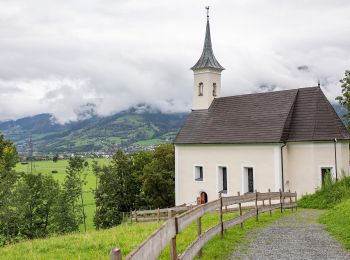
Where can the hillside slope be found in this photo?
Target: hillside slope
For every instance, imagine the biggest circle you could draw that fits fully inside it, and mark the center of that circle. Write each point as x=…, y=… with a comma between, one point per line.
x=128, y=129
x=97, y=244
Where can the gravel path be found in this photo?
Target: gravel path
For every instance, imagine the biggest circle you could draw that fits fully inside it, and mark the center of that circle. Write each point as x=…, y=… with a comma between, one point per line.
x=297, y=236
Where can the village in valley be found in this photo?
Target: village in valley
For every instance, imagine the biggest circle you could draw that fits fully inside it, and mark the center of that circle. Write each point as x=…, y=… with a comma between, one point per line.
x=111, y=148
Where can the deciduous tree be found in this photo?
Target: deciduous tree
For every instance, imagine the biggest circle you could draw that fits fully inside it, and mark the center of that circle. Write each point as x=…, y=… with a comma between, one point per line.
x=35, y=203
x=71, y=211
x=159, y=178
x=116, y=191
x=8, y=179
x=344, y=99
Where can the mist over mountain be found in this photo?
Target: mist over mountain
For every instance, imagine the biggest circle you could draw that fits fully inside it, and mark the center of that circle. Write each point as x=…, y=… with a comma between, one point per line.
x=139, y=127
x=136, y=128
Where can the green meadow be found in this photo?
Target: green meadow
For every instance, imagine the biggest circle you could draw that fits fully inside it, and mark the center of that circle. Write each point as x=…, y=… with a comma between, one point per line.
x=46, y=167
x=97, y=244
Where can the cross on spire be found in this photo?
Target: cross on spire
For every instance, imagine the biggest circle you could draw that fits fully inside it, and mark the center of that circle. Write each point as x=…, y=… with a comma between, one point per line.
x=207, y=7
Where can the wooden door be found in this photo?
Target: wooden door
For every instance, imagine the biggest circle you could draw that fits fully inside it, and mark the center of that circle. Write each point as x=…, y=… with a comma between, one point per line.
x=203, y=197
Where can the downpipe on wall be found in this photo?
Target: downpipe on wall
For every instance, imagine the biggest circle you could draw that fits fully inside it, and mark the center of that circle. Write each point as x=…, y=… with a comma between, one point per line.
x=335, y=159
x=282, y=173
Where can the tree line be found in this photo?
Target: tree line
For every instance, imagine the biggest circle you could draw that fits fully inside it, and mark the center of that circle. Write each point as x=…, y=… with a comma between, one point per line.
x=35, y=205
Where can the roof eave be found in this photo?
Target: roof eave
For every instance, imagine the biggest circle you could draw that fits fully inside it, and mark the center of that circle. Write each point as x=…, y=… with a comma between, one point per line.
x=194, y=68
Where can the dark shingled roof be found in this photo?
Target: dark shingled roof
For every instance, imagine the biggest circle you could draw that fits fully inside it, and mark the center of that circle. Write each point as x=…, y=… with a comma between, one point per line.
x=302, y=114
x=207, y=59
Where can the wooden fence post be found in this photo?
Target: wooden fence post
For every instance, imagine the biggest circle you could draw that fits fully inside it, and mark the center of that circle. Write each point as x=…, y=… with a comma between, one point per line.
x=240, y=209
x=115, y=254
x=256, y=205
x=135, y=215
x=290, y=201
x=130, y=217
x=199, y=229
x=270, y=203
x=296, y=201
x=220, y=212
x=281, y=201
x=173, y=251
x=158, y=214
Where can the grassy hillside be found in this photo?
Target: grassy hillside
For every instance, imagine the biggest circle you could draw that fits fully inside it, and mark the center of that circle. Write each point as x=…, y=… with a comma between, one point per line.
x=90, y=245
x=46, y=167
x=129, y=129
x=97, y=244
x=337, y=221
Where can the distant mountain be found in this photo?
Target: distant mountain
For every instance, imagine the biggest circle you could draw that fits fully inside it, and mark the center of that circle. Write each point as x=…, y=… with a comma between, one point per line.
x=341, y=111
x=133, y=129
x=136, y=128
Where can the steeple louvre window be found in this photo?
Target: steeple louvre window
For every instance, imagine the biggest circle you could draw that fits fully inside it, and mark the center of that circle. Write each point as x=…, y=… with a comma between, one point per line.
x=214, y=90
x=200, y=89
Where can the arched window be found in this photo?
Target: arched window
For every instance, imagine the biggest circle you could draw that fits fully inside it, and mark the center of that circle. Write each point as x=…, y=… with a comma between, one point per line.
x=200, y=89
x=214, y=89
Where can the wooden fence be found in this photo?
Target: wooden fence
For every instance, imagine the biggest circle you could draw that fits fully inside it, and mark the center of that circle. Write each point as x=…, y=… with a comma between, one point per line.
x=166, y=234
x=157, y=214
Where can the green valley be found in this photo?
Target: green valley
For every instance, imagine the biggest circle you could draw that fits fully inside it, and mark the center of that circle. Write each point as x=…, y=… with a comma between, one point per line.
x=130, y=130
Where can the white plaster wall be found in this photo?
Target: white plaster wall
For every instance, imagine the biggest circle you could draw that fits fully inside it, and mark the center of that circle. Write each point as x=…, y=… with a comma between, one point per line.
x=299, y=171
x=234, y=157
x=207, y=77
x=344, y=147
x=303, y=162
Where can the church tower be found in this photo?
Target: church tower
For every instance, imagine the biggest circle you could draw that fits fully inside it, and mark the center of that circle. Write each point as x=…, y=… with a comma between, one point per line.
x=207, y=75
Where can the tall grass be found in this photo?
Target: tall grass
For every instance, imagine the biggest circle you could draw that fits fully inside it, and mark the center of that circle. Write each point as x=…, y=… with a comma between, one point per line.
x=329, y=195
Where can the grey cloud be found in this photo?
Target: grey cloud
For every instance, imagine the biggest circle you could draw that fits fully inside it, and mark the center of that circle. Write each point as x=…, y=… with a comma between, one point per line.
x=58, y=56
x=303, y=68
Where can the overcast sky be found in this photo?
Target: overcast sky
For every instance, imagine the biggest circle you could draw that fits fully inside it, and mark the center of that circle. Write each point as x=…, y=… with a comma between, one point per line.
x=56, y=56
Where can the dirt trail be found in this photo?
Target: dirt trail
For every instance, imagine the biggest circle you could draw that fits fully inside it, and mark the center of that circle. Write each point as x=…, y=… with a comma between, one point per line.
x=296, y=236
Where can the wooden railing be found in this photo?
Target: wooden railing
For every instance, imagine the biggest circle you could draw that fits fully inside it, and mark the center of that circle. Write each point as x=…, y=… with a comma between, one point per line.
x=157, y=214
x=166, y=234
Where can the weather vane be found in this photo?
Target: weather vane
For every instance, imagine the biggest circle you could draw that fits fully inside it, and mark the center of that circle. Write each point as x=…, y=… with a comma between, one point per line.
x=207, y=7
